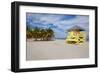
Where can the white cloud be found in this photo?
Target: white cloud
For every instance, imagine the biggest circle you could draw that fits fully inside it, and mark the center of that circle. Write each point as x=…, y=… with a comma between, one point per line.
x=78, y=20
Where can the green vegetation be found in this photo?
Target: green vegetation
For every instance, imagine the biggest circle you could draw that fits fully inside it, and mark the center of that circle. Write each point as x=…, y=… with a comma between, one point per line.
x=40, y=34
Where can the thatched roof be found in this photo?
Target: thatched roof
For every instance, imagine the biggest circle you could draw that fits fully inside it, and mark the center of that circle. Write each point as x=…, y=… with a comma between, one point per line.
x=76, y=28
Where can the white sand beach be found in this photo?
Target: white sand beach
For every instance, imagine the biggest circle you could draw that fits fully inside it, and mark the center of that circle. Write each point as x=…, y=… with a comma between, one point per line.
x=58, y=49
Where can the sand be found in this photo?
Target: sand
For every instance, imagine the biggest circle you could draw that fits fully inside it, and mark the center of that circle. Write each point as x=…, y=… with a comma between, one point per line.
x=58, y=49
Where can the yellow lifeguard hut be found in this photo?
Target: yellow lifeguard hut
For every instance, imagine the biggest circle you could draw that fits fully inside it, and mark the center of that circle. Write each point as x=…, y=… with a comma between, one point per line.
x=76, y=35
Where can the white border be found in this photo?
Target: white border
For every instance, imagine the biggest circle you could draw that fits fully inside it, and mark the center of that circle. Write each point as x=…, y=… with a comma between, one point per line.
x=51, y=63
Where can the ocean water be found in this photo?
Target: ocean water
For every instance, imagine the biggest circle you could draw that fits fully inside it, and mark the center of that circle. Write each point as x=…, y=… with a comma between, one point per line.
x=60, y=38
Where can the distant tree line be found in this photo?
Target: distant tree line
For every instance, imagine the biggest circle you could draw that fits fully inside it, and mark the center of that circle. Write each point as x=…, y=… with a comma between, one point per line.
x=40, y=34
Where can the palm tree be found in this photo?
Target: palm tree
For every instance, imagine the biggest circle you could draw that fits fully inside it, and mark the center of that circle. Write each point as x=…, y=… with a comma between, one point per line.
x=28, y=32
x=48, y=34
x=42, y=34
x=36, y=33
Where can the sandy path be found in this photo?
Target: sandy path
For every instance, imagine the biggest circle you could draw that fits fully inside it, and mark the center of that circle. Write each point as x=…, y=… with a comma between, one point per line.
x=58, y=49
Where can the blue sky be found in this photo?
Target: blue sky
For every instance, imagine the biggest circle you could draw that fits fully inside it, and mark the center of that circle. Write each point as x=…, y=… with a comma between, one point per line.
x=59, y=23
